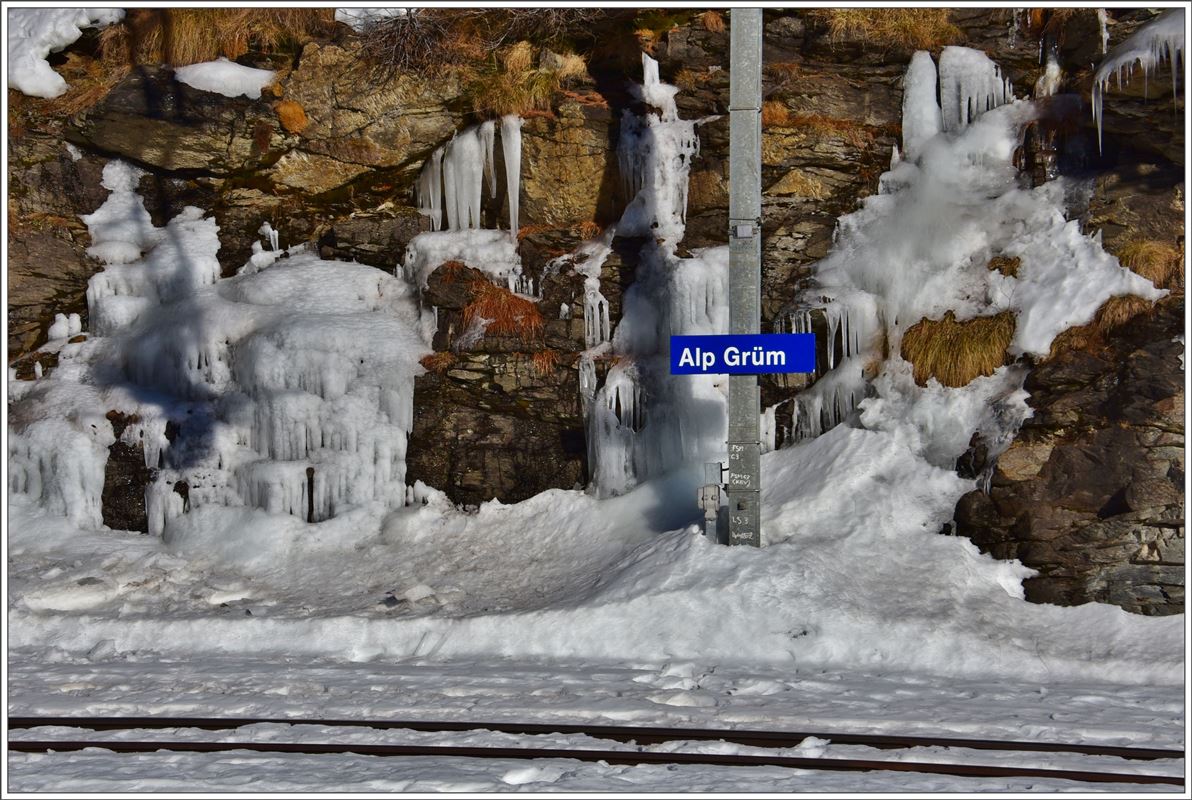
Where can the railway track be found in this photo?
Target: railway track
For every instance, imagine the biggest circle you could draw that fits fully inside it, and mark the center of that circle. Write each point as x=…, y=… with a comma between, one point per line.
x=627, y=734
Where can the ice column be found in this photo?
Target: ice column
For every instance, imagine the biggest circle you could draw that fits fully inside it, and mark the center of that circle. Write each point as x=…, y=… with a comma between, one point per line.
x=920, y=112
x=511, y=125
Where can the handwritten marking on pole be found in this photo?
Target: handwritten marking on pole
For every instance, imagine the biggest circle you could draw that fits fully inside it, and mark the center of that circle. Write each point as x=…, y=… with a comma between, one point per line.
x=742, y=354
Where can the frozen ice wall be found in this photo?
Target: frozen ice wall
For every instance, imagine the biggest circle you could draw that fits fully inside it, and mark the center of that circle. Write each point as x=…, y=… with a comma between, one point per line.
x=288, y=387
x=643, y=421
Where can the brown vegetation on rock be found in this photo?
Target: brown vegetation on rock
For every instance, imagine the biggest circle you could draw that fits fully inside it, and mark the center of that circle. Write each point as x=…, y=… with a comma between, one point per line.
x=712, y=21
x=181, y=36
x=954, y=353
x=507, y=313
x=1158, y=262
x=904, y=28
x=545, y=361
x=1007, y=265
x=439, y=362
x=292, y=116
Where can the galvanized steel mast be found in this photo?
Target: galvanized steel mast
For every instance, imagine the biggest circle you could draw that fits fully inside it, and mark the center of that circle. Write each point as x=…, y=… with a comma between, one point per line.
x=745, y=213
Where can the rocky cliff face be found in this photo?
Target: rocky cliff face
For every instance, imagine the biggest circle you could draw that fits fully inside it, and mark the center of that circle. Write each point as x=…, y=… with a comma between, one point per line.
x=1090, y=494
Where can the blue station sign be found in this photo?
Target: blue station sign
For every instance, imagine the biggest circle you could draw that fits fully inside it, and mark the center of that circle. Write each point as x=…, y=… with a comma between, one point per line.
x=742, y=354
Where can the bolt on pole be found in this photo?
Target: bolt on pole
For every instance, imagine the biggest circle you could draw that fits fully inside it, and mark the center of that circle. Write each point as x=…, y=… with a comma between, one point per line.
x=745, y=259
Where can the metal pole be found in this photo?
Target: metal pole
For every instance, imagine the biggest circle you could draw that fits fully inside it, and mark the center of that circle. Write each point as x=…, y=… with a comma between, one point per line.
x=745, y=258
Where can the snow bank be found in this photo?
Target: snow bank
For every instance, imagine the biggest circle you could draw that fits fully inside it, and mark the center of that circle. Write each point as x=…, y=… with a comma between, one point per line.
x=226, y=77
x=35, y=33
x=856, y=576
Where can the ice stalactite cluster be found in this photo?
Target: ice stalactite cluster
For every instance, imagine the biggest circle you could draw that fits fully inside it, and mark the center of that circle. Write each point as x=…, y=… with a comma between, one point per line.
x=450, y=186
x=1160, y=40
x=289, y=386
x=970, y=84
x=851, y=327
x=642, y=422
x=450, y=190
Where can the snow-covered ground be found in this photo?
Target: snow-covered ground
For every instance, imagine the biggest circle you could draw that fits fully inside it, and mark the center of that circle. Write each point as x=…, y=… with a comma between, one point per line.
x=701, y=693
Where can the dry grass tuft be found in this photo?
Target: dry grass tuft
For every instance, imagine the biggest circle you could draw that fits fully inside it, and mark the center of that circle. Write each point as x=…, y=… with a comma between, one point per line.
x=1115, y=312
x=89, y=81
x=954, y=353
x=519, y=57
x=775, y=114
x=439, y=362
x=783, y=70
x=588, y=229
x=1007, y=265
x=181, y=36
x=515, y=86
x=713, y=21
x=545, y=361
x=571, y=67
x=818, y=125
x=1119, y=310
x=292, y=116
x=1158, y=262
x=451, y=271
x=902, y=28
x=508, y=314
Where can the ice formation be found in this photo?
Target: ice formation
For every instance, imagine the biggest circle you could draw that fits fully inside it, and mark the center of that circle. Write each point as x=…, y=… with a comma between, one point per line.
x=492, y=252
x=511, y=126
x=64, y=326
x=1161, y=39
x=970, y=85
x=920, y=247
x=921, y=119
x=34, y=33
x=642, y=423
x=226, y=77
x=1049, y=82
x=450, y=184
x=290, y=386
x=654, y=154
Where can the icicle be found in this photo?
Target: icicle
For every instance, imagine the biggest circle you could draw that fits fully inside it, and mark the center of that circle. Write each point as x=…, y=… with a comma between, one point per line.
x=1102, y=19
x=488, y=139
x=1160, y=39
x=833, y=315
x=969, y=84
x=511, y=126
x=450, y=194
x=430, y=189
